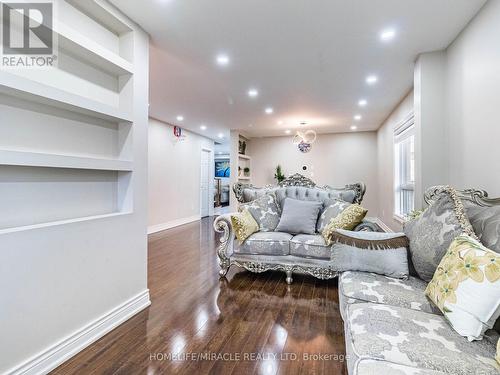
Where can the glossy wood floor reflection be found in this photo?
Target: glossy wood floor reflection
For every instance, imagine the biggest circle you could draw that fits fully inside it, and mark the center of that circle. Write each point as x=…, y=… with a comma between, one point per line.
x=245, y=324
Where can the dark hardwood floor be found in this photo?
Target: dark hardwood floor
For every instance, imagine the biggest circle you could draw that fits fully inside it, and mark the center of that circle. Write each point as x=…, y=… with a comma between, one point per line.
x=245, y=324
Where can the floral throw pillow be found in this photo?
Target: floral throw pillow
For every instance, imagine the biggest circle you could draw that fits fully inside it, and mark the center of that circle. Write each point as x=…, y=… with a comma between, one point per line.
x=347, y=219
x=332, y=209
x=433, y=231
x=466, y=287
x=265, y=211
x=244, y=225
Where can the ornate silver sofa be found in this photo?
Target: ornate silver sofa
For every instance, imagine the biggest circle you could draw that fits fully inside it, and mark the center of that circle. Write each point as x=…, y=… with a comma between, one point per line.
x=392, y=328
x=265, y=251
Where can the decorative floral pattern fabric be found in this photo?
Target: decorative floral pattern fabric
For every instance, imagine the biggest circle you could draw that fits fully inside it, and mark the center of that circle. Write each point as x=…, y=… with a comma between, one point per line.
x=415, y=339
x=360, y=287
x=265, y=211
x=244, y=225
x=347, y=219
x=265, y=243
x=466, y=287
x=332, y=209
x=432, y=232
x=309, y=246
x=372, y=367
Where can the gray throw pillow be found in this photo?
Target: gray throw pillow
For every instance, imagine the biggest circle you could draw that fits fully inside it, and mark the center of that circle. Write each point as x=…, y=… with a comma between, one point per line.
x=333, y=207
x=382, y=253
x=486, y=224
x=433, y=231
x=299, y=216
x=265, y=211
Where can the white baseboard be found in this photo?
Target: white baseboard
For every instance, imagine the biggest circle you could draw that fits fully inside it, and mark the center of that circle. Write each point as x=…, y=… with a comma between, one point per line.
x=172, y=224
x=55, y=355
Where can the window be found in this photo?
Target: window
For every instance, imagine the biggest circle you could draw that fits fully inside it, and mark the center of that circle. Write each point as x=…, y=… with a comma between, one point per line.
x=404, y=154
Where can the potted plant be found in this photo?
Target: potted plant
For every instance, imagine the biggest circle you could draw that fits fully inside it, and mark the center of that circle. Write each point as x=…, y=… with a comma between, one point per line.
x=242, y=146
x=246, y=171
x=279, y=174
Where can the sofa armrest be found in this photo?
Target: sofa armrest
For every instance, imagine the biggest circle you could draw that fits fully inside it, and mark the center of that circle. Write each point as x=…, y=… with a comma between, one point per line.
x=222, y=224
x=367, y=226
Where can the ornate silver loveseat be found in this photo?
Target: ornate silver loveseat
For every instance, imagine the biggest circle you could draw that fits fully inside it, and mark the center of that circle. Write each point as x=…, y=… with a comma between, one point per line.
x=265, y=251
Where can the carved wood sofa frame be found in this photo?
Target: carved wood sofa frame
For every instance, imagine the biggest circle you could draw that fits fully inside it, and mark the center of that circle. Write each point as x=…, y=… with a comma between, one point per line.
x=300, y=180
x=318, y=268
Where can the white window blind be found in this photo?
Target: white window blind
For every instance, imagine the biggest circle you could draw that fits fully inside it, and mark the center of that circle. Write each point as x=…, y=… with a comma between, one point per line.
x=404, y=153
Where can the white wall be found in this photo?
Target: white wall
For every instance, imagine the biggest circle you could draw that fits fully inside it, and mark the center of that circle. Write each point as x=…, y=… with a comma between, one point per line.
x=174, y=176
x=473, y=97
x=431, y=143
x=335, y=160
x=385, y=161
x=66, y=283
x=456, y=104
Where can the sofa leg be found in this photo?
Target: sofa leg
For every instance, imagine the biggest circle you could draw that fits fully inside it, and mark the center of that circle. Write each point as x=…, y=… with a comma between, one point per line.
x=289, y=279
x=223, y=271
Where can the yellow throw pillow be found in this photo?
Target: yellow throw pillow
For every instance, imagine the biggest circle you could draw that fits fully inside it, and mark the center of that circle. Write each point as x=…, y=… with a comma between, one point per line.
x=466, y=287
x=244, y=225
x=348, y=219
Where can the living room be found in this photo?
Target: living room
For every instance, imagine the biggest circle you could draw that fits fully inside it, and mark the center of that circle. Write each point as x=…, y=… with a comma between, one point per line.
x=250, y=187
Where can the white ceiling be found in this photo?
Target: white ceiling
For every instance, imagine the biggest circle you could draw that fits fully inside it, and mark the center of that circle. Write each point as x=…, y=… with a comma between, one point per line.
x=307, y=58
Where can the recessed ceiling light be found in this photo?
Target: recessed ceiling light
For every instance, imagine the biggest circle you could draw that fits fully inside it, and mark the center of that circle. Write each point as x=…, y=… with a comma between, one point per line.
x=280, y=122
x=220, y=135
x=203, y=127
x=288, y=131
x=180, y=118
x=250, y=125
x=220, y=152
x=362, y=103
x=269, y=110
x=253, y=93
x=354, y=127
x=357, y=117
x=222, y=60
x=387, y=35
x=372, y=79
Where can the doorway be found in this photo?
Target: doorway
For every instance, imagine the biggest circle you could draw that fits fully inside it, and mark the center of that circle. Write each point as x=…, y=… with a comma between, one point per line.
x=205, y=200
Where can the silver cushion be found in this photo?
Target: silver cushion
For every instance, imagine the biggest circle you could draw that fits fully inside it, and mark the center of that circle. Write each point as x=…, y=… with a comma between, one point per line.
x=358, y=287
x=300, y=192
x=332, y=208
x=299, y=216
x=486, y=224
x=415, y=339
x=309, y=246
x=266, y=243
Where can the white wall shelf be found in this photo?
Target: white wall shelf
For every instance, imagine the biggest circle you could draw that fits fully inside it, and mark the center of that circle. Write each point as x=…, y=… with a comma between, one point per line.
x=91, y=52
x=26, y=89
x=245, y=178
x=35, y=159
x=246, y=157
x=62, y=222
x=101, y=12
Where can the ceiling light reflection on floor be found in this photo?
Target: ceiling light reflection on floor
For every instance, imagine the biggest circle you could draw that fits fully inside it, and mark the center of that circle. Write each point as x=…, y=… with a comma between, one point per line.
x=178, y=344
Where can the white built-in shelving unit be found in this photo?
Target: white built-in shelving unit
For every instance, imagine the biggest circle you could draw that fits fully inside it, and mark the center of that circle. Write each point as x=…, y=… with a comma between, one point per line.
x=244, y=161
x=239, y=162
x=73, y=188
x=66, y=133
